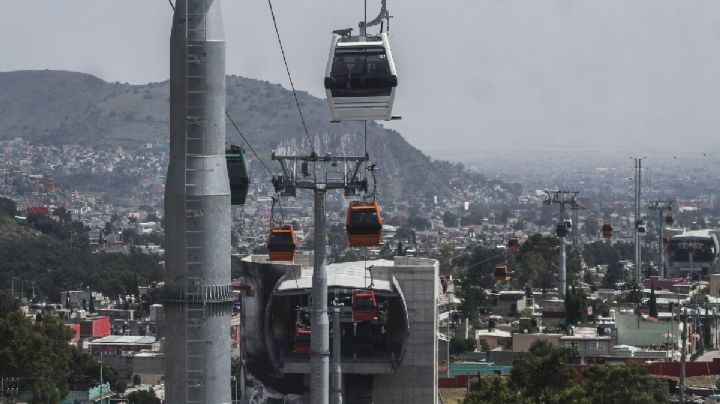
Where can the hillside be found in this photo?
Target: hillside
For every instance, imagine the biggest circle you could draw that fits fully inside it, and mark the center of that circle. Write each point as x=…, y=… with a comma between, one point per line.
x=58, y=107
x=37, y=251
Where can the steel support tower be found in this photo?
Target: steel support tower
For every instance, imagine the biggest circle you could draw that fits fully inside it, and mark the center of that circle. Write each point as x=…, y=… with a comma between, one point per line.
x=638, y=221
x=575, y=206
x=562, y=198
x=661, y=207
x=326, y=175
x=198, y=294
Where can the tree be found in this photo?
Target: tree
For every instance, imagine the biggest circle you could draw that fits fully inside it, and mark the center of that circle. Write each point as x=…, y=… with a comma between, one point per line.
x=418, y=222
x=614, y=274
x=591, y=227
x=63, y=214
x=652, y=303
x=543, y=371
x=477, y=267
x=628, y=383
x=492, y=390
x=8, y=304
x=575, y=305
x=445, y=257
x=449, y=219
x=473, y=297
x=143, y=397
x=531, y=265
x=85, y=373
x=38, y=353
x=459, y=345
x=542, y=375
x=8, y=207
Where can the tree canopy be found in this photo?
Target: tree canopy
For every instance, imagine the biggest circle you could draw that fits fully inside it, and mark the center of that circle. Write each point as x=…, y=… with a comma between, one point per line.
x=143, y=397
x=39, y=354
x=542, y=375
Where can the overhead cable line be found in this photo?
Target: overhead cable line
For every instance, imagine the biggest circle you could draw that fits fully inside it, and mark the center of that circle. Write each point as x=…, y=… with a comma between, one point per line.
x=257, y=156
x=171, y=5
x=292, y=85
x=481, y=262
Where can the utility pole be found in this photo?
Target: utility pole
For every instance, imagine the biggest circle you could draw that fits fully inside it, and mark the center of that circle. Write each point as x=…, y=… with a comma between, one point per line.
x=661, y=206
x=638, y=222
x=683, y=357
x=562, y=198
x=320, y=181
x=336, y=396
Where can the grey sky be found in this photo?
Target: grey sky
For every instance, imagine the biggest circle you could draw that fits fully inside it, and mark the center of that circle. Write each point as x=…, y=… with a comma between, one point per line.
x=473, y=74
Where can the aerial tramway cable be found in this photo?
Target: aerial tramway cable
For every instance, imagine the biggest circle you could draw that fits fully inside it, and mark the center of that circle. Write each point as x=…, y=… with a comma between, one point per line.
x=292, y=84
x=248, y=143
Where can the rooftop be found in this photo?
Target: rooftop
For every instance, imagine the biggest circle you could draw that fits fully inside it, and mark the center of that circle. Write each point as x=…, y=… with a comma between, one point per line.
x=346, y=274
x=124, y=340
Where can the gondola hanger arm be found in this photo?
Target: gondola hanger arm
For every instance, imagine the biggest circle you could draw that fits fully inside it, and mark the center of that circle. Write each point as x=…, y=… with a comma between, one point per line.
x=383, y=15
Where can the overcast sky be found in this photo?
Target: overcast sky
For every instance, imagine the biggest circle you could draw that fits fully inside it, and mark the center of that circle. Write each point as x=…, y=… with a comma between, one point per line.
x=629, y=75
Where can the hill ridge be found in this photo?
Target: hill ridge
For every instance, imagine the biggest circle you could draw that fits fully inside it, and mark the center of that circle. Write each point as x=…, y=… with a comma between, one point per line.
x=61, y=107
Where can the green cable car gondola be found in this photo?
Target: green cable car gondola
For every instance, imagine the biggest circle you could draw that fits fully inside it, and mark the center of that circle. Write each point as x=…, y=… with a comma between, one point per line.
x=238, y=174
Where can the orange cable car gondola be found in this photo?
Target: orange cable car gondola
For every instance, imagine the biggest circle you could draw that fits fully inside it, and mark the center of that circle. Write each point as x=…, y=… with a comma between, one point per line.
x=363, y=224
x=669, y=220
x=301, y=342
x=501, y=273
x=281, y=243
x=514, y=244
x=364, y=305
x=607, y=230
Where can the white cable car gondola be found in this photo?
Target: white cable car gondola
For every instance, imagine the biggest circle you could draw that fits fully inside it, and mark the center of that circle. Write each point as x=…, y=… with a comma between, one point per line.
x=360, y=78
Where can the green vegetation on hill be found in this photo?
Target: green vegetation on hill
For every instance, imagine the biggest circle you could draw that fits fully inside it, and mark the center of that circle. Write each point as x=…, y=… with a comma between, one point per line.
x=58, y=107
x=535, y=266
x=38, y=354
x=38, y=252
x=543, y=375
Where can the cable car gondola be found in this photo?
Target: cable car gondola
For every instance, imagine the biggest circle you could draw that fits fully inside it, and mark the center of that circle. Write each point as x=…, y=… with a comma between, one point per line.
x=238, y=174
x=281, y=243
x=669, y=220
x=301, y=342
x=561, y=230
x=607, y=230
x=501, y=273
x=364, y=305
x=363, y=224
x=360, y=77
x=514, y=244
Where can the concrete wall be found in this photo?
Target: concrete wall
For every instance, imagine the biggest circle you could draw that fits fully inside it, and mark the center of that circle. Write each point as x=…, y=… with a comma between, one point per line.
x=415, y=381
x=523, y=342
x=644, y=333
x=714, y=287
x=150, y=368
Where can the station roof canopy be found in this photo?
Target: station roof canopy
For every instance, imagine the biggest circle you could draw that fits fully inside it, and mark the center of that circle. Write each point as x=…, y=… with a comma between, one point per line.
x=352, y=275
